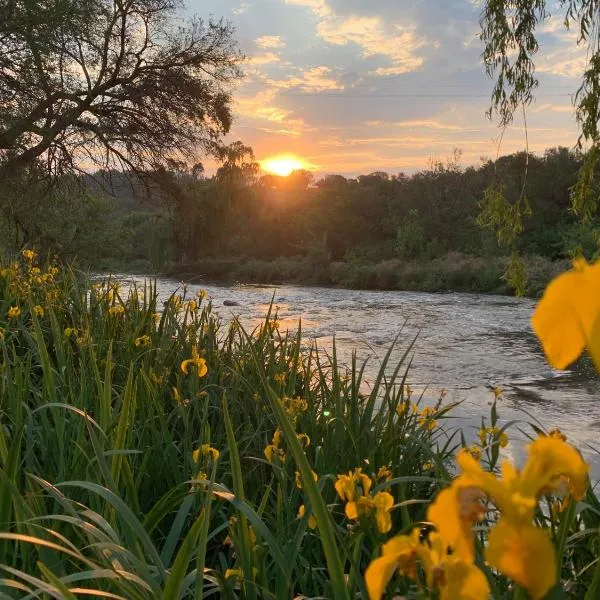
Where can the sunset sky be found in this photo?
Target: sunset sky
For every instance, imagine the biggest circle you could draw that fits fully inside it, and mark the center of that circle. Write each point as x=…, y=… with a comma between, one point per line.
x=355, y=86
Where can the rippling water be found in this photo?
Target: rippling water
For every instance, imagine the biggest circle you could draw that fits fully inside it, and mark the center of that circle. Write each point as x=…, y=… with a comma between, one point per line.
x=466, y=343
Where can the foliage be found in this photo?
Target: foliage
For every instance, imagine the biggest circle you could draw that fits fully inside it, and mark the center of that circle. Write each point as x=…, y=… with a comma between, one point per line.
x=110, y=82
x=508, y=31
x=150, y=454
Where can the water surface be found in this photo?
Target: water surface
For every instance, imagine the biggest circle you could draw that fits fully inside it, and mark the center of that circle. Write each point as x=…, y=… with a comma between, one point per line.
x=467, y=344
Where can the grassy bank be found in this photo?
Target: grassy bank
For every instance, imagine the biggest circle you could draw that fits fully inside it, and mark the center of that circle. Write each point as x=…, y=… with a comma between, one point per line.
x=147, y=452
x=453, y=272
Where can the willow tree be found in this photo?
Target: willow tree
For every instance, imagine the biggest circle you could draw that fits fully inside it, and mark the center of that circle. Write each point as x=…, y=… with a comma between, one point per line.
x=508, y=30
x=89, y=83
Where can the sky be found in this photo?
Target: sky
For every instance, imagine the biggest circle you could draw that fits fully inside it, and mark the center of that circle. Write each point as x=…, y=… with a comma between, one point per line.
x=356, y=86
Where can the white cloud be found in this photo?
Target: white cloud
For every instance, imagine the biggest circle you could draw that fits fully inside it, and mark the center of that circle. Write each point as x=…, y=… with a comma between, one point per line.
x=264, y=59
x=319, y=7
x=316, y=79
x=267, y=42
x=398, y=43
x=415, y=123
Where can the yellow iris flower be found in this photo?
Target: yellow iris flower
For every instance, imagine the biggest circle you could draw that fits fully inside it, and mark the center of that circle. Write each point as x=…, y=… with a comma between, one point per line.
x=196, y=360
x=14, y=312
x=552, y=467
x=566, y=318
x=143, y=341
x=346, y=485
x=446, y=573
x=205, y=450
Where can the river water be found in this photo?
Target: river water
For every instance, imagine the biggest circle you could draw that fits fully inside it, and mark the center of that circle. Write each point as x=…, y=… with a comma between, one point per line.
x=467, y=344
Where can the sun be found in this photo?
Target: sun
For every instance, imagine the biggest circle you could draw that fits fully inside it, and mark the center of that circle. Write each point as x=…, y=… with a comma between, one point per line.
x=282, y=165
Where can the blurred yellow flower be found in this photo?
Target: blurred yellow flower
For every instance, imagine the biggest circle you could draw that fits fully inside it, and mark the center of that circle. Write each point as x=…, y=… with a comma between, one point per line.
x=279, y=378
x=312, y=522
x=28, y=254
x=552, y=467
x=205, y=450
x=143, y=342
x=234, y=573
x=274, y=449
x=38, y=310
x=525, y=554
x=566, y=318
x=558, y=434
x=196, y=360
x=70, y=331
x=384, y=474
x=116, y=310
x=303, y=439
x=445, y=573
x=191, y=306
x=14, y=312
x=298, y=478
x=2, y=333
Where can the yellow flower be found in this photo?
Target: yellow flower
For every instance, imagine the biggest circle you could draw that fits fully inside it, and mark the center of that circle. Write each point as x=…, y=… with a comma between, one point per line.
x=303, y=439
x=384, y=474
x=455, y=511
x=14, y=312
x=312, y=522
x=497, y=436
x=28, y=254
x=70, y=331
x=143, y=341
x=446, y=573
x=191, y=306
x=474, y=451
x=116, y=310
x=274, y=448
x=383, y=503
x=196, y=360
x=299, y=478
x=552, y=467
x=355, y=484
x=201, y=294
x=525, y=554
x=206, y=450
x=177, y=396
x=279, y=378
x=566, y=318
x=558, y=434
x=38, y=310
x=402, y=408
x=235, y=573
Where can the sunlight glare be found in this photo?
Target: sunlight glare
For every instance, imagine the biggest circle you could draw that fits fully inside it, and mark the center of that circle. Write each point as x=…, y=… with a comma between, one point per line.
x=282, y=165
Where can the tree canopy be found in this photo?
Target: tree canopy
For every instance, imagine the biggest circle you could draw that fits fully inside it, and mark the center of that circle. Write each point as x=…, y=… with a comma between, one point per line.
x=110, y=83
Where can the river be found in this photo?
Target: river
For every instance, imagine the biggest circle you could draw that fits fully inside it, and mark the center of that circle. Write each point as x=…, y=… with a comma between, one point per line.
x=467, y=344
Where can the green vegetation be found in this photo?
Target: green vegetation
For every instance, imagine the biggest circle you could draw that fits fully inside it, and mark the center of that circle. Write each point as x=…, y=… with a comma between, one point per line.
x=439, y=229
x=147, y=452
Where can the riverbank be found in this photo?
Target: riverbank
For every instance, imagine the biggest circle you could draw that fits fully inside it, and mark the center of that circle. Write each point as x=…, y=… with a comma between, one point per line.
x=453, y=272
x=150, y=450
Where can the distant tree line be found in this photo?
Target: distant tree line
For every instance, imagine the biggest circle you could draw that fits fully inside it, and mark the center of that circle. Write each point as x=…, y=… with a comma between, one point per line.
x=184, y=217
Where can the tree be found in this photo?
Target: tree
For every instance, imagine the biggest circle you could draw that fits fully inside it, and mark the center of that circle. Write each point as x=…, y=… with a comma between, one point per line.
x=110, y=82
x=508, y=30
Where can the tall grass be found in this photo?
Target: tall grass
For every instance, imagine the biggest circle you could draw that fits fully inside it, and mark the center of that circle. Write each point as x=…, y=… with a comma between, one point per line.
x=102, y=495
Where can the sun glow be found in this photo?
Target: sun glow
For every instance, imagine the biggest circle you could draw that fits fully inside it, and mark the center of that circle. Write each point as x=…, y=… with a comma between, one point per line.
x=282, y=165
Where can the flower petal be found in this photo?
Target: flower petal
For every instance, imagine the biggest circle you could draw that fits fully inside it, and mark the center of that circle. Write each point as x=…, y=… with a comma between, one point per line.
x=525, y=554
